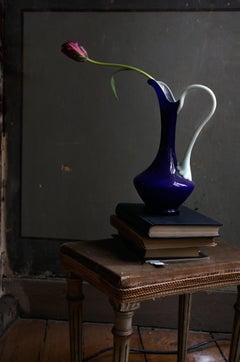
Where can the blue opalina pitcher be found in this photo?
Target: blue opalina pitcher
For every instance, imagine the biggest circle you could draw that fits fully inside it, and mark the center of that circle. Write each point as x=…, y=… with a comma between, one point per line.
x=167, y=183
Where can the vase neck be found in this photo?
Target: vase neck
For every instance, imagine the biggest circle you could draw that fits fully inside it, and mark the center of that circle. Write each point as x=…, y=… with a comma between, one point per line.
x=168, y=111
x=167, y=143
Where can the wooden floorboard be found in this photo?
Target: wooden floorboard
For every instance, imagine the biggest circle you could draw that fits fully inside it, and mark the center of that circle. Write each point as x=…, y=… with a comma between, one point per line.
x=166, y=340
x=48, y=341
x=224, y=345
x=56, y=346
x=97, y=337
x=23, y=341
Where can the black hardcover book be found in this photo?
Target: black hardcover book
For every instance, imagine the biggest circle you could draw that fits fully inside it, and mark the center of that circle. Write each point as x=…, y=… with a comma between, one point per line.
x=187, y=223
x=142, y=241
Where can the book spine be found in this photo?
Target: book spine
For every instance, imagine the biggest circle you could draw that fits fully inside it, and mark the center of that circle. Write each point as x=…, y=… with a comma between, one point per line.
x=126, y=231
x=130, y=218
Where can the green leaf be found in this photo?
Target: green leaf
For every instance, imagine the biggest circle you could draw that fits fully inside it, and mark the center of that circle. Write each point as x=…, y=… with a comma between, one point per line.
x=112, y=81
x=113, y=86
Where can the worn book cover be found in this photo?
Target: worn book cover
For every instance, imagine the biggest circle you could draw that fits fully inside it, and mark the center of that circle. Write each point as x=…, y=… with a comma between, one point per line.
x=146, y=242
x=187, y=223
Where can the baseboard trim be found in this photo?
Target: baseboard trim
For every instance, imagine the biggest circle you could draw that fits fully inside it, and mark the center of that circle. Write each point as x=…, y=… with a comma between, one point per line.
x=46, y=298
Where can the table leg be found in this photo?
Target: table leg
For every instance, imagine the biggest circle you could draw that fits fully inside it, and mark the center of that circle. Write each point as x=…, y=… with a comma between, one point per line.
x=122, y=330
x=234, y=355
x=75, y=297
x=184, y=312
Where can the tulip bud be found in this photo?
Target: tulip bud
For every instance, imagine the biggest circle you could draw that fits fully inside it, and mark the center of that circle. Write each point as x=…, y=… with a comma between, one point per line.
x=74, y=51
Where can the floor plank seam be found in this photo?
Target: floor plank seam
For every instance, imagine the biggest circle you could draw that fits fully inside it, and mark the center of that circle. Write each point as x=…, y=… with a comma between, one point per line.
x=220, y=349
x=41, y=351
x=141, y=342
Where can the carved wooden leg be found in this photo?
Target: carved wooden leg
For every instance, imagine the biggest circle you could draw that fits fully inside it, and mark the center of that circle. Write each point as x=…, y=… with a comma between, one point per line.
x=122, y=330
x=75, y=297
x=234, y=355
x=183, y=325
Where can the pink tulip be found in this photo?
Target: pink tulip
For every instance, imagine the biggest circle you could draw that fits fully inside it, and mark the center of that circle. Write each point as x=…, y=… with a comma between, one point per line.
x=76, y=52
x=72, y=50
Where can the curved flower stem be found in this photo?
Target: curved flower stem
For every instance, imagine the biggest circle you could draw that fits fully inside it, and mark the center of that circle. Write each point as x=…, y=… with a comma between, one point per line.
x=123, y=66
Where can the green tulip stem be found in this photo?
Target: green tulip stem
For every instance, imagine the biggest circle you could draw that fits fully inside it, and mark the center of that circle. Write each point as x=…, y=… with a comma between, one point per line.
x=122, y=66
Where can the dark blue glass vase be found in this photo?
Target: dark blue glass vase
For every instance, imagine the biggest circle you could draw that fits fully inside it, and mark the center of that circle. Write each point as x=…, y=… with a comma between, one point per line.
x=161, y=186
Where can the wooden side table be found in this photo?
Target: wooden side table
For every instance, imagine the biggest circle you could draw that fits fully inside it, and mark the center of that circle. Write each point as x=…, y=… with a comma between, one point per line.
x=108, y=266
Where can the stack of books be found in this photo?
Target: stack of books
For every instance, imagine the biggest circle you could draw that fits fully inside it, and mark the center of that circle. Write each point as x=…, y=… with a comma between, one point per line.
x=154, y=236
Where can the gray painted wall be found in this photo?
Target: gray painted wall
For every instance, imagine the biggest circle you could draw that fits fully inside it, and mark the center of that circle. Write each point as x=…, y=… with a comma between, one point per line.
x=81, y=148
